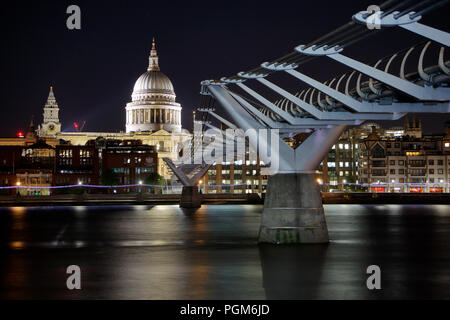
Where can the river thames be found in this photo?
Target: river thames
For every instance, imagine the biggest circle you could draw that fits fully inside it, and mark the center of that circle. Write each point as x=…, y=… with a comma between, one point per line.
x=162, y=252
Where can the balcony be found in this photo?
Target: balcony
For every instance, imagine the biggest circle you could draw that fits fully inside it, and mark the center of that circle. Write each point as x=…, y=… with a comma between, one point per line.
x=378, y=173
x=418, y=173
x=378, y=164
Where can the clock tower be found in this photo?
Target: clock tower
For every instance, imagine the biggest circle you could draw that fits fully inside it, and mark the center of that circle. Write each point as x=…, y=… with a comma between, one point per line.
x=51, y=125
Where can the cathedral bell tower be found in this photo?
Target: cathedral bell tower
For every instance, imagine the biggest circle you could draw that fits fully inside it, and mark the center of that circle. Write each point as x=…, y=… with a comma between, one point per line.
x=51, y=125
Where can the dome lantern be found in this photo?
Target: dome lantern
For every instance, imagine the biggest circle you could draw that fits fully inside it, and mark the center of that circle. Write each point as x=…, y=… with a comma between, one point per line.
x=153, y=59
x=153, y=105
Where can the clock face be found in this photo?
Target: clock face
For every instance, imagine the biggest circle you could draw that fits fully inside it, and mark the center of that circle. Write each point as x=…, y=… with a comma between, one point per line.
x=51, y=127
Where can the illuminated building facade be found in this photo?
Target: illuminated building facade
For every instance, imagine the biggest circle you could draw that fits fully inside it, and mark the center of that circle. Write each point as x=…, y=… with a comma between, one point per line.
x=41, y=166
x=409, y=164
x=236, y=177
x=152, y=117
x=130, y=161
x=400, y=159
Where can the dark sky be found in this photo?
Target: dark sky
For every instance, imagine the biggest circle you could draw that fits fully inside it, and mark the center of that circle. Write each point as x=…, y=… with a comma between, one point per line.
x=93, y=70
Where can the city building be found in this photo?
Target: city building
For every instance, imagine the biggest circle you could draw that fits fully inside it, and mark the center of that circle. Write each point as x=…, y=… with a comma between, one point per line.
x=40, y=166
x=130, y=161
x=152, y=117
x=412, y=163
x=236, y=177
x=76, y=165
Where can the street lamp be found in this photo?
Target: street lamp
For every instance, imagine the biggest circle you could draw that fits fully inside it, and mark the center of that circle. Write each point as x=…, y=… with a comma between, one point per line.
x=17, y=189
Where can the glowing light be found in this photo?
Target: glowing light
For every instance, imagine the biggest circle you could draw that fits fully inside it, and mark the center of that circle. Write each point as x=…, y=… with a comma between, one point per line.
x=20, y=134
x=319, y=181
x=140, y=182
x=18, y=183
x=80, y=183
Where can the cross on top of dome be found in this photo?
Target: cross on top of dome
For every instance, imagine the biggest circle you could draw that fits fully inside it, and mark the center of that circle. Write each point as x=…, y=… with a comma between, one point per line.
x=153, y=59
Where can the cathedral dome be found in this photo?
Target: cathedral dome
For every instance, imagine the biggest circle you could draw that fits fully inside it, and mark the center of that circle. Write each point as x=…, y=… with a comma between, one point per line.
x=153, y=81
x=153, y=106
x=153, y=85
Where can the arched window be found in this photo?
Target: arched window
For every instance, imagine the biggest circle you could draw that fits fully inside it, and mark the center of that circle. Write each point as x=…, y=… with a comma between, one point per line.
x=377, y=151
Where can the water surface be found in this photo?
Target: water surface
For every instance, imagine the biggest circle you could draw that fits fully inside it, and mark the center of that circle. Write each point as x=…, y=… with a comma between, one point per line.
x=162, y=252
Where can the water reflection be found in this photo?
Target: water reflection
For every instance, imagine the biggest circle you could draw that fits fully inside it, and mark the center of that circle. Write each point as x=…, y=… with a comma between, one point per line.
x=189, y=211
x=292, y=272
x=162, y=252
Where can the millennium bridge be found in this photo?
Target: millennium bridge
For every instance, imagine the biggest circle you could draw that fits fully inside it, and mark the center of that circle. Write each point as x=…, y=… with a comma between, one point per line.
x=293, y=207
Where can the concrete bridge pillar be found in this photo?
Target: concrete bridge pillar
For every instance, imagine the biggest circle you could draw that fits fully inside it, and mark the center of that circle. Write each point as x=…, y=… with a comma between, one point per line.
x=293, y=211
x=190, y=197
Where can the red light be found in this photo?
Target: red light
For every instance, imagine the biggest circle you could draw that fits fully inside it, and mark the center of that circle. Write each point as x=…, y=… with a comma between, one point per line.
x=75, y=125
x=377, y=189
x=20, y=134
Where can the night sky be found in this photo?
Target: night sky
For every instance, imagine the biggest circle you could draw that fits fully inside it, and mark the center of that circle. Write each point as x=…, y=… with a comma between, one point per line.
x=93, y=70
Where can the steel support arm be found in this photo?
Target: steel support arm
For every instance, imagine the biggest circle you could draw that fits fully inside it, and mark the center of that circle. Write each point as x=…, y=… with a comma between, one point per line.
x=224, y=121
x=321, y=115
x=411, y=89
x=315, y=148
x=433, y=34
x=283, y=114
x=285, y=154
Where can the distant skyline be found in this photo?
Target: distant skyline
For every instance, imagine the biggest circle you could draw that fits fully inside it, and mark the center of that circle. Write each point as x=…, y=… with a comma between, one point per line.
x=93, y=70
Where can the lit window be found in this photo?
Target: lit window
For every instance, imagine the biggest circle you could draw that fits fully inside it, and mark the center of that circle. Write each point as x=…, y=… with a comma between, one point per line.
x=341, y=146
x=346, y=146
x=447, y=144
